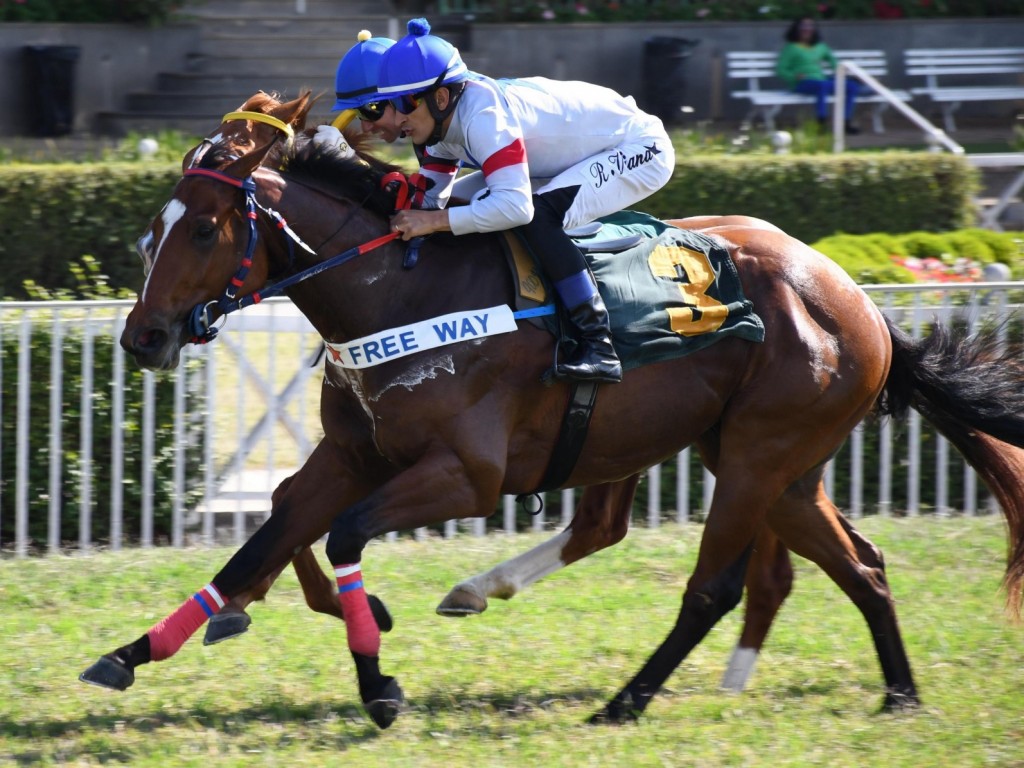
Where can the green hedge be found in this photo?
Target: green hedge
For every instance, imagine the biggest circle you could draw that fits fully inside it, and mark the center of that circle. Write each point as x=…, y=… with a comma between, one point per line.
x=813, y=196
x=51, y=215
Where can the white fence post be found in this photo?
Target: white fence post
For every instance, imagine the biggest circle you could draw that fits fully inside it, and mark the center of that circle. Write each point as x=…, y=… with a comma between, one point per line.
x=246, y=409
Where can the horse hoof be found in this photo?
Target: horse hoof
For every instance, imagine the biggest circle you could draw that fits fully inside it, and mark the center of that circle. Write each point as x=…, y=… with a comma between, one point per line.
x=896, y=701
x=225, y=626
x=108, y=673
x=384, y=708
x=619, y=710
x=462, y=601
x=381, y=614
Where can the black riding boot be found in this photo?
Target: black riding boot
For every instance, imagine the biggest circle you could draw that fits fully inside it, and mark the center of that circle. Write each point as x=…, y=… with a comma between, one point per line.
x=595, y=358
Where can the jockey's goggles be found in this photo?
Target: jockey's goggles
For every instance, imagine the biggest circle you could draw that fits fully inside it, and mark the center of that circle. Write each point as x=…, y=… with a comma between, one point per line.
x=407, y=103
x=372, y=111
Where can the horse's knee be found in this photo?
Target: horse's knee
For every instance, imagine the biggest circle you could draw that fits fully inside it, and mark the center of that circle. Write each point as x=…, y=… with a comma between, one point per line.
x=278, y=494
x=256, y=559
x=347, y=538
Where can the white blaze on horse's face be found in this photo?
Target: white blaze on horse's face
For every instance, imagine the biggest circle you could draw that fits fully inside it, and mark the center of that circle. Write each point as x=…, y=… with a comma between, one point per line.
x=170, y=215
x=144, y=247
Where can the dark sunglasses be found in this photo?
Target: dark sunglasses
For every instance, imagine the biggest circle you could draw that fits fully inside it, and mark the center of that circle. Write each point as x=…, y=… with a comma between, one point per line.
x=372, y=111
x=407, y=103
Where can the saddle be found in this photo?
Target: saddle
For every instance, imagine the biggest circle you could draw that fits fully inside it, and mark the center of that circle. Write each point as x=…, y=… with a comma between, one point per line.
x=668, y=292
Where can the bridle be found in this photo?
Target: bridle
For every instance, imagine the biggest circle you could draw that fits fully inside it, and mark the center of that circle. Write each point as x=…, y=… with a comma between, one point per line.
x=201, y=318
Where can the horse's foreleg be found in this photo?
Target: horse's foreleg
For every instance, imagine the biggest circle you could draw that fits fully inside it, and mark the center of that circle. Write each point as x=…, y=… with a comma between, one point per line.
x=317, y=588
x=258, y=558
x=437, y=488
x=768, y=582
x=601, y=520
x=283, y=536
x=812, y=527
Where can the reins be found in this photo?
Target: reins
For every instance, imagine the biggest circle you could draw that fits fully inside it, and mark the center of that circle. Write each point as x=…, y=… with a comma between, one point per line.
x=200, y=318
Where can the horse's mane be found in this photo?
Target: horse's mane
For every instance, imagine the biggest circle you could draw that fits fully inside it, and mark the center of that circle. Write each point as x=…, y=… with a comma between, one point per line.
x=356, y=177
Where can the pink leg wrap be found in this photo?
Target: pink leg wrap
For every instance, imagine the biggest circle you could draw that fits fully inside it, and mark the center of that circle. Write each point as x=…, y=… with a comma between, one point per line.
x=167, y=637
x=363, y=633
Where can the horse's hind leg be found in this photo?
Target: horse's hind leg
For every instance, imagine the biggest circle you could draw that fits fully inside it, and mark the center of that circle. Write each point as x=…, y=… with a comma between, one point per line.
x=601, y=520
x=741, y=500
x=808, y=523
x=768, y=583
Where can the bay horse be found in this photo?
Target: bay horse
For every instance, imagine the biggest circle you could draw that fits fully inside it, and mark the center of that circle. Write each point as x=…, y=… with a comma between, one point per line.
x=442, y=434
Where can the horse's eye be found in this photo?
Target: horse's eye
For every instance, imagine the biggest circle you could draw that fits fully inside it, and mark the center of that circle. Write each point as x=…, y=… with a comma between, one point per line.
x=205, y=231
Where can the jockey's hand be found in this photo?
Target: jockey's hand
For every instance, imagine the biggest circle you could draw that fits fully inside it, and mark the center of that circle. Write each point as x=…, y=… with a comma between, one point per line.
x=418, y=223
x=329, y=136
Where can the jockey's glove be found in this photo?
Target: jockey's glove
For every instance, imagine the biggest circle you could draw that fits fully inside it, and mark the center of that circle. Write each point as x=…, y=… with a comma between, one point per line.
x=330, y=137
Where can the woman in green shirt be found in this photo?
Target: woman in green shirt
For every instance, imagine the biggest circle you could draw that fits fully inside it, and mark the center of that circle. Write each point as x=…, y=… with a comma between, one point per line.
x=800, y=67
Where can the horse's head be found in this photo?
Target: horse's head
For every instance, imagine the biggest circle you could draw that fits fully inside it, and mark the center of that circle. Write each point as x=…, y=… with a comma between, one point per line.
x=262, y=119
x=195, y=250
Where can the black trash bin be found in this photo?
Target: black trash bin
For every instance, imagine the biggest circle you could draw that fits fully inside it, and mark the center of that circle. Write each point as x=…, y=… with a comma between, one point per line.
x=50, y=83
x=664, y=75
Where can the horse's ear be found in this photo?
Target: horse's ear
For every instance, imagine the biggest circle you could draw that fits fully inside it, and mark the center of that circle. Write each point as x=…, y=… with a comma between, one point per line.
x=244, y=166
x=294, y=112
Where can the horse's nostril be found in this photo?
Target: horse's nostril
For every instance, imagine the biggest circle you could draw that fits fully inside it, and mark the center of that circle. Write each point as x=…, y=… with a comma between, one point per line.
x=149, y=339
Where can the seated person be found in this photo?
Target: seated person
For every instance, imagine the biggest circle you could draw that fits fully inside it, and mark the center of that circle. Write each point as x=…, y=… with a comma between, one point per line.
x=799, y=66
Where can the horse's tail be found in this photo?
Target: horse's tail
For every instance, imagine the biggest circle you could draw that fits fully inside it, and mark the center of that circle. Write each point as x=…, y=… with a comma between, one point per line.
x=973, y=393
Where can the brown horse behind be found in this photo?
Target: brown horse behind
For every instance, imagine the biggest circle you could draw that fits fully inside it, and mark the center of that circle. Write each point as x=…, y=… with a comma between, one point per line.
x=442, y=434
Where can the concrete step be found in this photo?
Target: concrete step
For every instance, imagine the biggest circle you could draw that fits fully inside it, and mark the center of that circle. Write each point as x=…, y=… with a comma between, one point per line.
x=277, y=46
x=234, y=86
x=333, y=9
x=262, y=29
x=202, y=104
x=329, y=45
x=270, y=65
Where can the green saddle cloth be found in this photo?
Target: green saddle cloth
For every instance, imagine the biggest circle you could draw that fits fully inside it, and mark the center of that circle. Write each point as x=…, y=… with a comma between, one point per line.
x=674, y=293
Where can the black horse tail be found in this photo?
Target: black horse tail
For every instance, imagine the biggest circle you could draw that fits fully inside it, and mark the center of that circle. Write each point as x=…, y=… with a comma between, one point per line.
x=971, y=388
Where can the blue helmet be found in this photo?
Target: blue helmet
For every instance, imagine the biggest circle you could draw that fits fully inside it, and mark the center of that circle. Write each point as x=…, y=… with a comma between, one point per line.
x=355, y=84
x=418, y=62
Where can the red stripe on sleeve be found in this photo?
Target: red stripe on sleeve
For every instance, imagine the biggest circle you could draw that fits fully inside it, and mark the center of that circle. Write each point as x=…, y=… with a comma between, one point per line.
x=513, y=154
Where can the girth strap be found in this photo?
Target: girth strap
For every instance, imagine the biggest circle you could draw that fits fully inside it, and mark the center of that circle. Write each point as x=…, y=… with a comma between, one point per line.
x=575, y=423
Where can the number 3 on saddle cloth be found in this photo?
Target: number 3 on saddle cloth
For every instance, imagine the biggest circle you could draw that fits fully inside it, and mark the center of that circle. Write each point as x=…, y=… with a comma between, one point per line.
x=670, y=292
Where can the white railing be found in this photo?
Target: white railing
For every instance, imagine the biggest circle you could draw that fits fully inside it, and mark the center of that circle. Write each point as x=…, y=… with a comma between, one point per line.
x=933, y=135
x=192, y=456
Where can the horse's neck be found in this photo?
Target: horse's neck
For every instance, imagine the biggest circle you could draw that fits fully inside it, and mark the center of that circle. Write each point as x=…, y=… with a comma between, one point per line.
x=374, y=291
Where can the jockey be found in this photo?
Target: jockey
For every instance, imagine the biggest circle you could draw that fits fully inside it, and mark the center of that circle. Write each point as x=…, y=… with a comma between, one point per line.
x=553, y=155
x=355, y=85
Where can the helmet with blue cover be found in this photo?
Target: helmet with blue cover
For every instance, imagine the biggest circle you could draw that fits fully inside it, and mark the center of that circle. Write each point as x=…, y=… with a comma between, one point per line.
x=355, y=83
x=418, y=65
x=418, y=62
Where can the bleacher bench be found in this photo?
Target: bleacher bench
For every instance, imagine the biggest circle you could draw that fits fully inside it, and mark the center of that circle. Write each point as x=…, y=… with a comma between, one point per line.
x=954, y=65
x=767, y=94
